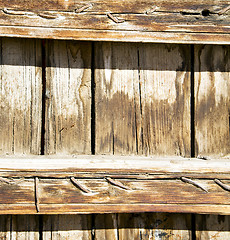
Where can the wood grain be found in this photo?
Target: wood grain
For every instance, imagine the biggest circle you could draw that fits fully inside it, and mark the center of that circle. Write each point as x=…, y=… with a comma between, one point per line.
x=186, y=21
x=212, y=103
x=216, y=227
x=25, y=227
x=154, y=226
x=105, y=227
x=5, y=222
x=212, y=91
x=67, y=227
x=142, y=99
x=68, y=100
x=20, y=96
x=135, y=102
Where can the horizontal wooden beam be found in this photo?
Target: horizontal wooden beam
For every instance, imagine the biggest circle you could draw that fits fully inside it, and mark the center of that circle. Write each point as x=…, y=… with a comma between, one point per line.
x=133, y=21
x=107, y=184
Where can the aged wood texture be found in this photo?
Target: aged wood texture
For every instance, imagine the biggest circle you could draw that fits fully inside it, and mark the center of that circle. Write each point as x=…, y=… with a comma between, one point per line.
x=212, y=91
x=68, y=123
x=25, y=227
x=142, y=99
x=181, y=21
x=5, y=223
x=154, y=226
x=135, y=103
x=215, y=227
x=212, y=103
x=67, y=227
x=20, y=96
x=105, y=227
x=68, y=98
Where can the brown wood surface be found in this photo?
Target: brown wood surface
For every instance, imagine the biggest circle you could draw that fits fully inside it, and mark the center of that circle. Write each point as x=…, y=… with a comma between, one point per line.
x=212, y=91
x=142, y=99
x=25, y=227
x=181, y=21
x=68, y=123
x=20, y=120
x=20, y=96
x=67, y=227
x=134, y=107
x=212, y=227
x=68, y=98
x=154, y=226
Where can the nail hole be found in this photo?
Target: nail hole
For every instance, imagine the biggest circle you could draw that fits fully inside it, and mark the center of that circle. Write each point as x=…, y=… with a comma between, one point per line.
x=205, y=12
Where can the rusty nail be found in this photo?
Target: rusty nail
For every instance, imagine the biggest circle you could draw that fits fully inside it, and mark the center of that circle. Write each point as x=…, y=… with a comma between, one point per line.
x=36, y=181
x=115, y=19
x=83, y=8
x=117, y=183
x=188, y=180
x=224, y=186
x=80, y=186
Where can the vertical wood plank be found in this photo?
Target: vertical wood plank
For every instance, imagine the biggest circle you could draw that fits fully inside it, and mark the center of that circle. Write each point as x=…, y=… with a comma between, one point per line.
x=68, y=98
x=116, y=79
x=165, y=99
x=142, y=106
x=215, y=227
x=25, y=227
x=68, y=121
x=67, y=227
x=212, y=119
x=142, y=99
x=106, y=227
x=20, y=96
x=5, y=223
x=20, y=115
x=212, y=91
x=154, y=226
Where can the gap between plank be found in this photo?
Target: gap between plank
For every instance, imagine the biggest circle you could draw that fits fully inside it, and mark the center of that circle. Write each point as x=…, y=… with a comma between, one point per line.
x=93, y=121
x=192, y=99
x=43, y=96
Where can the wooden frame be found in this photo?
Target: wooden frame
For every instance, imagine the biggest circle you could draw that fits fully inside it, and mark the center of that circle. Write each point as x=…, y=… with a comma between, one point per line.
x=108, y=184
x=134, y=21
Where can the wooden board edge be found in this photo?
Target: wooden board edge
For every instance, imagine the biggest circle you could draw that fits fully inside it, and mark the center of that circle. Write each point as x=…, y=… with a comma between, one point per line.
x=118, y=208
x=116, y=36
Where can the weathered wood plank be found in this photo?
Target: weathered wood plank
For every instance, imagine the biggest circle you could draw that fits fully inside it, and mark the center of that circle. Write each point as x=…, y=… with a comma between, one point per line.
x=105, y=227
x=54, y=19
x=132, y=114
x=114, y=208
x=5, y=223
x=137, y=96
x=25, y=227
x=20, y=96
x=68, y=100
x=164, y=92
x=68, y=122
x=67, y=227
x=20, y=122
x=212, y=91
x=154, y=226
x=133, y=6
x=212, y=103
x=214, y=227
